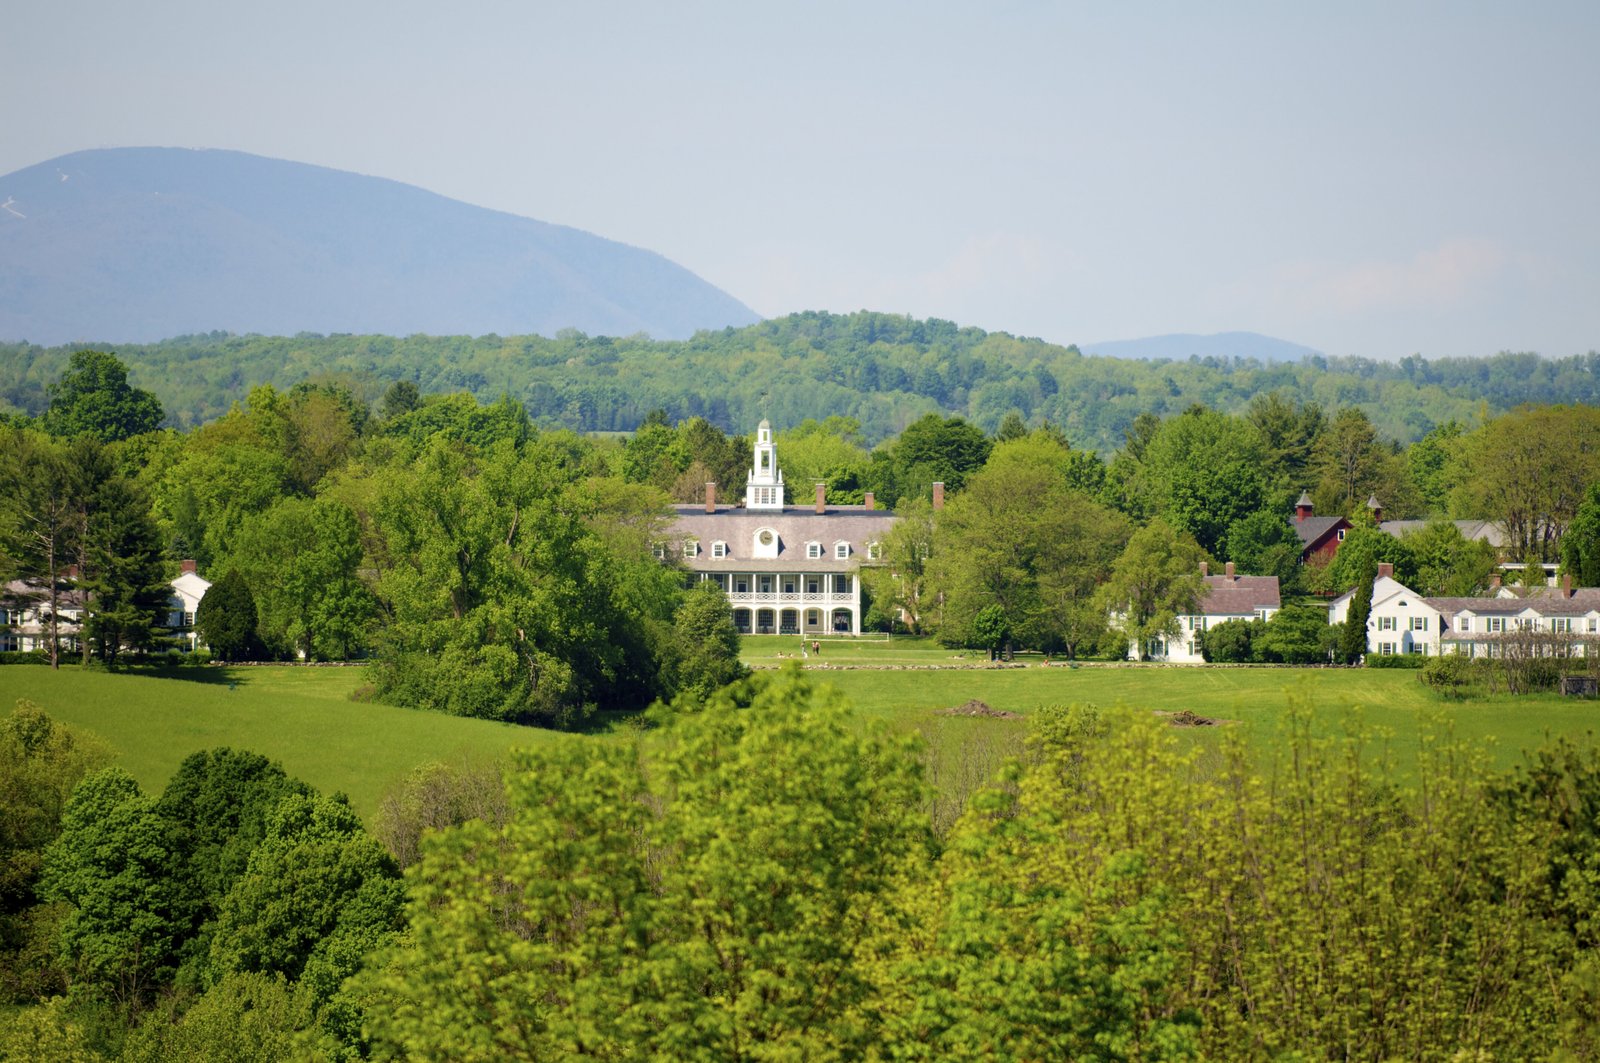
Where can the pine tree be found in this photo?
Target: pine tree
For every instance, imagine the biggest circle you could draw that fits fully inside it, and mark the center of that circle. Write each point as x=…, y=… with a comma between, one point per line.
x=1353, y=643
x=226, y=618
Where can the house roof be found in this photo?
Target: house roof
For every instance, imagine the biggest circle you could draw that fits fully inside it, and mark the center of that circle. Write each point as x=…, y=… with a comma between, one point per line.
x=1239, y=595
x=796, y=526
x=1313, y=530
x=1486, y=530
x=1582, y=602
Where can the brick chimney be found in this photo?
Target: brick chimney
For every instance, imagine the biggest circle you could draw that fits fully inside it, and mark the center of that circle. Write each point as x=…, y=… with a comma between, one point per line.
x=1303, y=508
x=1566, y=585
x=822, y=498
x=711, y=496
x=188, y=566
x=1227, y=570
x=1385, y=569
x=871, y=503
x=938, y=494
x=1205, y=569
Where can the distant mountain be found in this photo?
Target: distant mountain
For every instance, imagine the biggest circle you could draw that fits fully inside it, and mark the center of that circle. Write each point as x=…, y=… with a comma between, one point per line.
x=136, y=244
x=1180, y=346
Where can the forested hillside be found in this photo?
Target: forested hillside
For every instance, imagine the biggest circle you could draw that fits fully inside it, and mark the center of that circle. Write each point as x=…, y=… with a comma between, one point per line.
x=882, y=370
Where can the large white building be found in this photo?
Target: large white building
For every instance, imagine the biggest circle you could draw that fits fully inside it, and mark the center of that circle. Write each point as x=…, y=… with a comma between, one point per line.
x=787, y=570
x=1403, y=621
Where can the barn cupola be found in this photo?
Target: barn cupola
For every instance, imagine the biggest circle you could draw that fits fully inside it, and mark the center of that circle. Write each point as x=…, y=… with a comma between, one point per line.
x=764, y=488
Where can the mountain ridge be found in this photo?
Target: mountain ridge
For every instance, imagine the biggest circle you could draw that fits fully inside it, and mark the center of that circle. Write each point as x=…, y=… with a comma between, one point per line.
x=127, y=245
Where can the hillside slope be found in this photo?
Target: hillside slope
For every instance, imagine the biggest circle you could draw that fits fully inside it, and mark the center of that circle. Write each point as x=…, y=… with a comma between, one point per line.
x=132, y=245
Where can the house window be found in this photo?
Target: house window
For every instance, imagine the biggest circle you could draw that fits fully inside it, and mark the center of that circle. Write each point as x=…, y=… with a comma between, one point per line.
x=741, y=585
x=1495, y=624
x=1561, y=623
x=841, y=584
x=788, y=584
x=1419, y=623
x=764, y=584
x=813, y=585
x=1388, y=623
x=1386, y=648
x=661, y=551
x=813, y=550
x=1420, y=647
x=874, y=551
x=1594, y=623
x=719, y=549
x=188, y=619
x=1341, y=535
x=841, y=550
x=691, y=548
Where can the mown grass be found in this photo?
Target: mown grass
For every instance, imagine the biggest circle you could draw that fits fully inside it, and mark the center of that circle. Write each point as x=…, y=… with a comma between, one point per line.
x=300, y=717
x=304, y=718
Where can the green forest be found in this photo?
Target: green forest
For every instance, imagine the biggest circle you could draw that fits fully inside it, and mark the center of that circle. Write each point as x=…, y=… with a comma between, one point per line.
x=742, y=868
x=881, y=370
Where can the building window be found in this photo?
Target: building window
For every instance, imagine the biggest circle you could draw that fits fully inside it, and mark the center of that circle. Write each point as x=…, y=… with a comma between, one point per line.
x=719, y=549
x=1341, y=535
x=841, y=550
x=661, y=551
x=1386, y=648
x=1594, y=623
x=764, y=584
x=691, y=548
x=1495, y=624
x=1388, y=623
x=813, y=550
x=841, y=584
x=813, y=585
x=741, y=585
x=874, y=551
x=1419, y=623
x=788, y=584
x=188, y=619
x=1420, y=647
x=1561, y=623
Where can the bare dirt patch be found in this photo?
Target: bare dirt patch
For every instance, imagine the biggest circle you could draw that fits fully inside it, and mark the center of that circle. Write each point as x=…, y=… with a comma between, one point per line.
x=1190, y=718
x=979, y=708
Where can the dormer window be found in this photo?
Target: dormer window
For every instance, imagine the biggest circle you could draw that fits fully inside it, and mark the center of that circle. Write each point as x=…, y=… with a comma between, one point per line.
x=691, y=548
x=719, y=549
x=813, y=550
x=660, y=550
x=841, y=550
x=874, y=551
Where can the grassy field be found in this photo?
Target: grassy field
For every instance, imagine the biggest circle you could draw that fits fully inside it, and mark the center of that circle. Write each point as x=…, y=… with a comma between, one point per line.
x=303, y=717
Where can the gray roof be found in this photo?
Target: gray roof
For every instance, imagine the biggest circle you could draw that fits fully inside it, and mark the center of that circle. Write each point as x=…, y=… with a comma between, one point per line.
x=1486, y=530
x=796, y=526
x=1314, y=528
x=1239, y=595
x=1581, y=602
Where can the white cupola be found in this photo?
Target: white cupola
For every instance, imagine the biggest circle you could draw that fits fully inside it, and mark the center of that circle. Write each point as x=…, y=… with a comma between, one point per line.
x=764, y=487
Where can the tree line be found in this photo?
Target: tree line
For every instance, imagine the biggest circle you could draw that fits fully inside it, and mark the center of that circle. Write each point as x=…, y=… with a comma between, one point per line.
x=490, y=567
x=883, y=370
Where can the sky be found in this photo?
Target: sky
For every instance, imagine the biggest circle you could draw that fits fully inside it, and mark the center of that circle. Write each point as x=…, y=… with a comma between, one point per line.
x=1377, y=179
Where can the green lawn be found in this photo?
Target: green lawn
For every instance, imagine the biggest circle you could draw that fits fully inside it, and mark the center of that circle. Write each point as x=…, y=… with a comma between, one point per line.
x=301, y=717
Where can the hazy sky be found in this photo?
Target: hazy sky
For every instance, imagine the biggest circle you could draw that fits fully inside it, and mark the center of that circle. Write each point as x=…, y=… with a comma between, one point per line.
x=1374, y=179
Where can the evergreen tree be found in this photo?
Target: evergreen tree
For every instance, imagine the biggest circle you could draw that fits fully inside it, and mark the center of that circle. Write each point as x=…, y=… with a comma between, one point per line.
x=1580, y=546
x=226, y=618
x=1353, y=643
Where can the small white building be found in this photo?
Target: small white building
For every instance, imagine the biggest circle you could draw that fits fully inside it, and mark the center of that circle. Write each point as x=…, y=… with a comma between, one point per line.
x=187, y=590
x=1226, y=597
